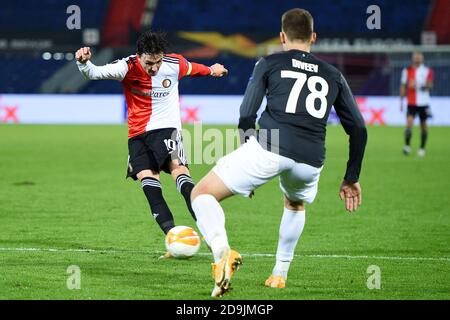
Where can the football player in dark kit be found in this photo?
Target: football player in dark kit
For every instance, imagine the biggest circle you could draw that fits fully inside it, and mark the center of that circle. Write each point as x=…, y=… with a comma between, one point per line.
x=300, y=91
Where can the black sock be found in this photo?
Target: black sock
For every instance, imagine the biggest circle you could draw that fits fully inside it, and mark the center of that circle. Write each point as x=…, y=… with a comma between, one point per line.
x=408, y=136
x=185, y=186
x=159, y=208
x=424, y=139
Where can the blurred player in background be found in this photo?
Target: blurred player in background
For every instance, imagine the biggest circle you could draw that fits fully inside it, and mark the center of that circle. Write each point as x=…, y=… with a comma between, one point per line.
x=300, y=91
x=416, y=83
x=150, y=82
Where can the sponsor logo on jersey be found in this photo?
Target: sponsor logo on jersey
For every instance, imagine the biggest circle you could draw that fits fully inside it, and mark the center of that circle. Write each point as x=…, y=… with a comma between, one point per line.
x=151, y=93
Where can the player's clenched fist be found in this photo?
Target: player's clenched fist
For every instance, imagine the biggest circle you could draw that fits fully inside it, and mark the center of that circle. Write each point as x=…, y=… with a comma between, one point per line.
x=83, y=54
x=218, y=70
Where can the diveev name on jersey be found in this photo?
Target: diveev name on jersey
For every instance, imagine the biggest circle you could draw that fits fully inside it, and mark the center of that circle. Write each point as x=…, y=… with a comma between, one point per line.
x=305, y=66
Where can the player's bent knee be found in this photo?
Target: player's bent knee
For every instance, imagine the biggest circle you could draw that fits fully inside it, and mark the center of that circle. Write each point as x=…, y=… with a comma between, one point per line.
x=294, y=205
x=176, y=171
x=199, y=189
x=147, y=174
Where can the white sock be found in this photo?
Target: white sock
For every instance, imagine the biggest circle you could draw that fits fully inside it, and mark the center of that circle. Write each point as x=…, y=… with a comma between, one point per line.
x=291, y=228
x=211, y=223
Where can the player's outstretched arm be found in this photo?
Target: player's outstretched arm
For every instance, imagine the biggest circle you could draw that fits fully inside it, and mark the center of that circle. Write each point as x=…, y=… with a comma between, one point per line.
x=193, y=69
x=112, y=71
x=352, y=194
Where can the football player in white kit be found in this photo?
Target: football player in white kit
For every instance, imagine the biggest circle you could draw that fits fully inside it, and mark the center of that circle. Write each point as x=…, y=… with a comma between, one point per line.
x=416, y=83
x=150, y=82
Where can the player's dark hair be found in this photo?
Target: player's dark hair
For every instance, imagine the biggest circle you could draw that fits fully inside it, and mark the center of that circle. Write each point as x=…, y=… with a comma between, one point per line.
x=297, y=24
x=151, y=43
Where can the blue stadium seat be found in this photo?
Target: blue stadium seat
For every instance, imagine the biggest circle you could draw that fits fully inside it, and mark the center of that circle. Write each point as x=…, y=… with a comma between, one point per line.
x=26, y=74
x=255, y=18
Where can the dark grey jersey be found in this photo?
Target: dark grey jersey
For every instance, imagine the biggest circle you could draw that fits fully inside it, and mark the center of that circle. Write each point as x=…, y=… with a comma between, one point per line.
x=300, y=91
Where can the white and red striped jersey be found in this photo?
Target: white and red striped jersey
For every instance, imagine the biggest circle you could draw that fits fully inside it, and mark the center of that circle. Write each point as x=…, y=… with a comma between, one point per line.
x=152, y=101
x=415, y=80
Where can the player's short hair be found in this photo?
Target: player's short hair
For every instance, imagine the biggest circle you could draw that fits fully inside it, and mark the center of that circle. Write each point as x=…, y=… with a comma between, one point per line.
x=151, y=43
x=297, y=24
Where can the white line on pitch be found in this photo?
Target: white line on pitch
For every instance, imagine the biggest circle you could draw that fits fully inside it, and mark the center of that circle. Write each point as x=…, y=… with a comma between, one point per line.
x=327, y=256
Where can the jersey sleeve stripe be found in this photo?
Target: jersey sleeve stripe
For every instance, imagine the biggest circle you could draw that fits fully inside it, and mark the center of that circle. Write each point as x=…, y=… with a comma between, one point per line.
x=170, y=58
x=170, y=61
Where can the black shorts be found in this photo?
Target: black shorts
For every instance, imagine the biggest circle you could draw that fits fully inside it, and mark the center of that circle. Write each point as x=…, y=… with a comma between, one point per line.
x=154, y=150
x=423, y=112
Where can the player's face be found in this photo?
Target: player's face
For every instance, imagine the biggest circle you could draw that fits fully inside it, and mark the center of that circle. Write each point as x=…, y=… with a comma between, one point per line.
x=417, y=59
x=151, y=62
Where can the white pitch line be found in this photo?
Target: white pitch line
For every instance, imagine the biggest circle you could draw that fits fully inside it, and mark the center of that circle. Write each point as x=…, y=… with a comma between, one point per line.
x=330, y=256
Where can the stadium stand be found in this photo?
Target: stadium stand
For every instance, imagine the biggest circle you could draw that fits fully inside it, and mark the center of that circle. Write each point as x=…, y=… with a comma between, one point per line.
x=24, y=74
x=207, y=13
x=374, y=74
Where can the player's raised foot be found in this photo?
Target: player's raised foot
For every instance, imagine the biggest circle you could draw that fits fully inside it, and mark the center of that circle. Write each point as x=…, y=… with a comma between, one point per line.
x=406, y=150
x=223, y=271
x=421, y=152
x=166, y=255
x=275, y=282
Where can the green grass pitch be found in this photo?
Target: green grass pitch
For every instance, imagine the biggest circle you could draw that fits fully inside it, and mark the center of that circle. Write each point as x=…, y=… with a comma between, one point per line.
x=63, y=188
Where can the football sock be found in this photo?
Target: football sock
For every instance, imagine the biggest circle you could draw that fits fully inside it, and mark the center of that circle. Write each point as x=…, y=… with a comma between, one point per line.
x=158, y=206
x=281, y=268
x=211, y=223
x=185, y=186
x=407, y=136
x=424, y=139
x=291, y=228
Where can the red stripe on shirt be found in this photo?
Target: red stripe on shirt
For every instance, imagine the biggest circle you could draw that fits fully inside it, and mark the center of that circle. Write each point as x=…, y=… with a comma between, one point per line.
x=137, y=88
x=412, y=98
x=430, y=75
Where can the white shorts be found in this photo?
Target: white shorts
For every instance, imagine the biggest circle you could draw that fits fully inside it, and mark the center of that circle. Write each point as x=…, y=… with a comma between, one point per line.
x=250, y=166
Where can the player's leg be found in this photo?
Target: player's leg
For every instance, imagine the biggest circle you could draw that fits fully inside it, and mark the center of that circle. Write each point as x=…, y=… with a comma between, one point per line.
x=299, y=185
x=239, y=172
x=408, y=131
x=211, y=223
x=184, y=182
x=158, y=205
x=291, y=228
x=423, y=131
x=206, y=196
x=143, y=167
